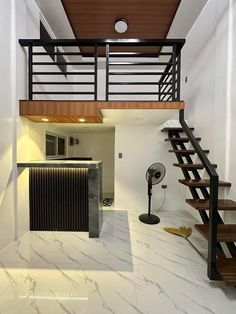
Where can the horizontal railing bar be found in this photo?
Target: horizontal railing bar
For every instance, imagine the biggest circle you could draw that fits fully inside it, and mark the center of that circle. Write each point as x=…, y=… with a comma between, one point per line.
x=63, y=63
x=132, y=93
x=138, y=83
x=63, y=93
x=62, y=54
x=135, y=73
x=112, y=42
x=112, y=55
x=138, y=93
x=63, y=83
x=138, y=54
x=138, y=63
x=63, y=73
x=56, y=53
x=167, y=83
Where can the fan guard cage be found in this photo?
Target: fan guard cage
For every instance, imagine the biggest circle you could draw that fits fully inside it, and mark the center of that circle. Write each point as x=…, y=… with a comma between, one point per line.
x=157, y=171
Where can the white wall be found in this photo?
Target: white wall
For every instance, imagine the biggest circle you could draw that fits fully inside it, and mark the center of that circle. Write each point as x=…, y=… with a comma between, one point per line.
x=231, y=113
x=27, y=25
x=141, y=146
x=36, y=140
x=6, y=126
x=205, y=65
x=29, y=140
x=210, y=89
x=99, y=146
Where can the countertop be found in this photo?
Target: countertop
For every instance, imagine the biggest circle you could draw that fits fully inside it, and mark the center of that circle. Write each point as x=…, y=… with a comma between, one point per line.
x=90, y=164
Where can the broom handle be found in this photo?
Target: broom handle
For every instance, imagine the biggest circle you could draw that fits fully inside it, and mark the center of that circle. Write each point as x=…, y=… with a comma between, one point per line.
x=196, y=249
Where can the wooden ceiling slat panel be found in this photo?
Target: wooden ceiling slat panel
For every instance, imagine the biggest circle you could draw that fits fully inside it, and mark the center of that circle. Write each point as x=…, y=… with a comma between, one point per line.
x=146, y=18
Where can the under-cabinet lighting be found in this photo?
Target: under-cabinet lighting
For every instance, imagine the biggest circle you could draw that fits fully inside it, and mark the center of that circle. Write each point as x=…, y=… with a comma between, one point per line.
x=82, y=120
x=45, y=120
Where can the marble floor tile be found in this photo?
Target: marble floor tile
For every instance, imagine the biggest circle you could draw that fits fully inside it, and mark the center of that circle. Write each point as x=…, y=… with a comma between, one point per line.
x=131, y=268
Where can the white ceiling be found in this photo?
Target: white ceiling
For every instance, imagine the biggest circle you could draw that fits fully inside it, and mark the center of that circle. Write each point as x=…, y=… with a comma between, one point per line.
x=113, y=117
x=137, y=116
x=185, y=17
x=55, y=15
x=84, y=128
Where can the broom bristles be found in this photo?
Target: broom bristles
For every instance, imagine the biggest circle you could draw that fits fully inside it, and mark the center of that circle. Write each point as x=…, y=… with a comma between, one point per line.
x=183, y=232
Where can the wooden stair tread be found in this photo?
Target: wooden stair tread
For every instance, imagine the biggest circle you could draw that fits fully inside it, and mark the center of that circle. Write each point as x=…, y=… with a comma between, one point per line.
x=186, y=151
x=175, y=129
x=191, y=166
x=225, y=232
x=227, y=269
x=180, y=139
x=203, y=204
x=202, y=183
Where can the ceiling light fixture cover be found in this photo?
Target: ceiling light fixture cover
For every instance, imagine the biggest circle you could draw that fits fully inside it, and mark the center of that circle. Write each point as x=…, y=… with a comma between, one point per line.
x=121, y=26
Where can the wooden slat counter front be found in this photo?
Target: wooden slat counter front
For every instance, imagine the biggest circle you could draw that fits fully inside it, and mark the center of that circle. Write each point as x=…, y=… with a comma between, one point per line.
x=65, y=195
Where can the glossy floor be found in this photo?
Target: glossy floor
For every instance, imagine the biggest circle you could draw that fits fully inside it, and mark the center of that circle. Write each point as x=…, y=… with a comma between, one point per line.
x=131, y=268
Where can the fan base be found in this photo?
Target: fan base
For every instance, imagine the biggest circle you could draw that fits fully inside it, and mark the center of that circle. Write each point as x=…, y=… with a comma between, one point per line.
x=149, y=219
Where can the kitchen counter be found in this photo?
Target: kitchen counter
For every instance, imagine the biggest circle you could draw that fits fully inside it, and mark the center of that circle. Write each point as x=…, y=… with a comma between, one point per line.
x=65, y=195
x=91, y=164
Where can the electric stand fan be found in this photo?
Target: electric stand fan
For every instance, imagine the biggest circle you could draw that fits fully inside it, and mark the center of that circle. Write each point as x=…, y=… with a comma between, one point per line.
x=154, y=175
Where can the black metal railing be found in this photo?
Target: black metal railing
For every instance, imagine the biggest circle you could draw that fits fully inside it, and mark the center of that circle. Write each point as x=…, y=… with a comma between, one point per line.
x=213, y=200
x=130, y=68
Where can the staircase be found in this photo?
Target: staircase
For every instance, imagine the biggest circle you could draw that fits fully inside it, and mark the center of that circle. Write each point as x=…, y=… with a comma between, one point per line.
x=220, y=236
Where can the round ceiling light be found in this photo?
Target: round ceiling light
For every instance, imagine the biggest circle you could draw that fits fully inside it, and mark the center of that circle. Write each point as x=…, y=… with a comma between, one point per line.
x=121, y=26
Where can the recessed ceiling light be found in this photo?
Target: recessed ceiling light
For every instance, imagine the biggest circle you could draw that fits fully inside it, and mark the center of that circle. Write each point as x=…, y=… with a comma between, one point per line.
x=121, y=26
x=45, y=120
x=82, y=120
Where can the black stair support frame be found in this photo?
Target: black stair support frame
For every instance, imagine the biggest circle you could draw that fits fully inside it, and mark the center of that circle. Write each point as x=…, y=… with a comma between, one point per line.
x=214, y=217
x=174, y=145
x=193, y=190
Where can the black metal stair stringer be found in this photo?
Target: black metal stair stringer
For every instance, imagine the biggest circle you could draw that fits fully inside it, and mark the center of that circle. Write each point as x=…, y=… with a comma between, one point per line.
x=203, y=214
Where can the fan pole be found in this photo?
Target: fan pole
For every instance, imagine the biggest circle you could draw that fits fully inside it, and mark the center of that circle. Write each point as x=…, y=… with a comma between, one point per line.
x=149, y=218
x=149, y=196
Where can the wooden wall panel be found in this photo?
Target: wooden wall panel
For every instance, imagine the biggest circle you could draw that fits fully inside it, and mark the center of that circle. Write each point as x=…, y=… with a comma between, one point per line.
x=58, y=199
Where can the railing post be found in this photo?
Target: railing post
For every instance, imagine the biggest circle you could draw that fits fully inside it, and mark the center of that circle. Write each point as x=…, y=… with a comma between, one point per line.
x=30, y=71
x=212, y=238
x=107, y=72
x=159, y=89
x=178, y=76
x=96, y=72
x=173, y=72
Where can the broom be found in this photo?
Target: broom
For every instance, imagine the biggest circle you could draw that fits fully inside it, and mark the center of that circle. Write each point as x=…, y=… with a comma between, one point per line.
x=184, y=232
